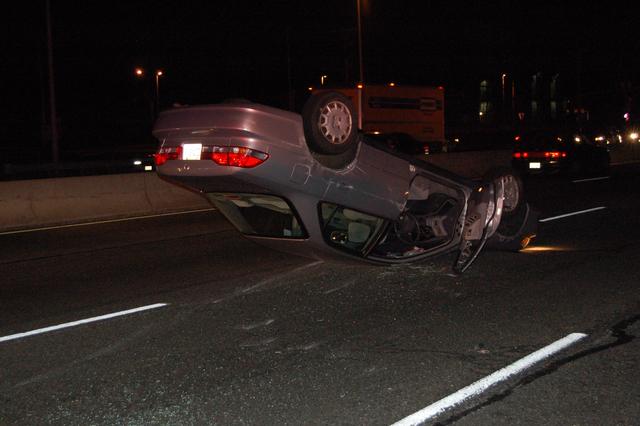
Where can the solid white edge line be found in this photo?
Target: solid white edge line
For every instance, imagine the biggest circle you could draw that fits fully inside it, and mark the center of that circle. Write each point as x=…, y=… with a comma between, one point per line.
x=549, y=219
x=80, y=322
x=100, y=222
x=481, y=385
x=590, y=179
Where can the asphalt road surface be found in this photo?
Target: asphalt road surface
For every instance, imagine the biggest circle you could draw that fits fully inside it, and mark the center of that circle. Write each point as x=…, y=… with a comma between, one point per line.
x=231, y=333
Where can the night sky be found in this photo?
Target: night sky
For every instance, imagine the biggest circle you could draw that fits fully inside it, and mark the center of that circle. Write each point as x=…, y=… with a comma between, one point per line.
x=210, y=51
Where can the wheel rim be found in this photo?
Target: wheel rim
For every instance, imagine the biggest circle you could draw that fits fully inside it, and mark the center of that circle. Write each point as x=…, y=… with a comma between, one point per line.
x=511, y=193
x=335, y=122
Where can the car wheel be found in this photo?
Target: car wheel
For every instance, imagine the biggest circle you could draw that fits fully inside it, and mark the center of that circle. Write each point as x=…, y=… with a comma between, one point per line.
x=513, y=189
x=519, y=222
x=515, y=232
x=330, y=123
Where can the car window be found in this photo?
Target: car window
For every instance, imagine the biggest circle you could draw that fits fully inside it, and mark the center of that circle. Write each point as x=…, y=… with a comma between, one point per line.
x=348, y=229
x=259, y=214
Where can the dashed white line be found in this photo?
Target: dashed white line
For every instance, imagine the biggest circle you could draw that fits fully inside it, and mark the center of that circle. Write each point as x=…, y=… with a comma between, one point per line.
x=483, y=384
x=80, y=322
x=562, y=216
x=100, y=222
x=590, y=179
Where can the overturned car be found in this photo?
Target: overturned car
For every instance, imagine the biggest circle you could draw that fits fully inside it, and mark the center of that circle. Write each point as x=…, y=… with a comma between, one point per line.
x=312, y=185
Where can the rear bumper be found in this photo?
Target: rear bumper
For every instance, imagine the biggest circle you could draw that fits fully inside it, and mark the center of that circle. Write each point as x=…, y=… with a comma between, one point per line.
x=538, y=166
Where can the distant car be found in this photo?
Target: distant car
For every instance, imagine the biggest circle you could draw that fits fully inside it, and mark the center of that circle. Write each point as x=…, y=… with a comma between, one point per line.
x=312, y=185
x=559, y=152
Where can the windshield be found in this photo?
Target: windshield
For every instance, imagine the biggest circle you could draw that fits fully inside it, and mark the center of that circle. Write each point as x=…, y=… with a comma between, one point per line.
x=259, y=215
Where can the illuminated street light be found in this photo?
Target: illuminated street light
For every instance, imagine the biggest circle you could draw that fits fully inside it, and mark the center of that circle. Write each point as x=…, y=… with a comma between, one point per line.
x=360, y=62
x=140, y=72
x=159, y=74
x=323, y=79
x=504, y=94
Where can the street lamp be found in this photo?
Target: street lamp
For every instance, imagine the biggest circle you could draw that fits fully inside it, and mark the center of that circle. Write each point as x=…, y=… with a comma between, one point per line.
x=504, y=97
x=360, y=66
x=159, y=74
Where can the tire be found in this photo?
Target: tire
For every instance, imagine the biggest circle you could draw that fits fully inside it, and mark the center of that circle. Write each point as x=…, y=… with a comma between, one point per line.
x=513, y=190
x=519, y=221
x=515, y=232
x=330, y=123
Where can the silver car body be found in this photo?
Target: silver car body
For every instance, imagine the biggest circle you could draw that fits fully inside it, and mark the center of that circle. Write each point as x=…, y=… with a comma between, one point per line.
x=373, y=183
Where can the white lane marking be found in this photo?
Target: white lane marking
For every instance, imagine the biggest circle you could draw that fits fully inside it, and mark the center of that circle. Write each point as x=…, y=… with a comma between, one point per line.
x=549, y=219
x=80, y=322
x=483, y=384
x=99, y=222
x=590, y=179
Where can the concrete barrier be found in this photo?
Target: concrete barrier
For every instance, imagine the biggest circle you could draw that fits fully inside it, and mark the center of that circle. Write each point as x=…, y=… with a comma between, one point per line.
x=474, y=164
x=625, y=153
x=45, y=202
x=471, y=164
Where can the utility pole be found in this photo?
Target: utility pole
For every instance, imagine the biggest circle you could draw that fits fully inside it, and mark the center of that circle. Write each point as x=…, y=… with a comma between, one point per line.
x=360, y=67
x=53, y=117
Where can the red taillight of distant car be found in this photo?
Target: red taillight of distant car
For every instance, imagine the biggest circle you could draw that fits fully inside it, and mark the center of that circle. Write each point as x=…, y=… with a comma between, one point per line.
x=166, y=154
x=555, y=154
x=547, y=154
x=235, y=156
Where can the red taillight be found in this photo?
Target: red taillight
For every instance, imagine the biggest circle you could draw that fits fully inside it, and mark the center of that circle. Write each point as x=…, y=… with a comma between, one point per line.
x=223, y=155
x=517, y=155
x=218, y=154
x=235, y=156
x=555, y=154
x=166, y=154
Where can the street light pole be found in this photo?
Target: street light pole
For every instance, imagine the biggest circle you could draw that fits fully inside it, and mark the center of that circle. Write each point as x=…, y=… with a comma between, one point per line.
x=158, y=75
x=360, y=65
x=504, y=98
